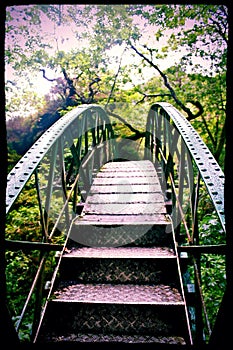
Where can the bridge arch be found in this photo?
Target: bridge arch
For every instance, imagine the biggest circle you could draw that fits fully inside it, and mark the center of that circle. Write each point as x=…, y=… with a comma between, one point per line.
x=67, y=149
x=178, y=147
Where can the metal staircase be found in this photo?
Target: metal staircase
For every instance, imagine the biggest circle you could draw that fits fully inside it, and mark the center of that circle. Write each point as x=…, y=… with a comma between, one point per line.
x=118, y=277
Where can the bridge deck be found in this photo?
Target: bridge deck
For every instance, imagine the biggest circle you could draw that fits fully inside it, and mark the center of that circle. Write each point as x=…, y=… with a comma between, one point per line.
x=127, y=200
x=125, y=192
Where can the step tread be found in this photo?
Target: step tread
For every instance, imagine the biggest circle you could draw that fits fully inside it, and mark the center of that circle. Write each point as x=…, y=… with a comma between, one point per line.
x=120, y=252
x=126, y=208
x=126, y=198
x=122, y=189
x=131, y=181
x=118, y=294
x=139, y=165
x=113, y=338
x=123, y=219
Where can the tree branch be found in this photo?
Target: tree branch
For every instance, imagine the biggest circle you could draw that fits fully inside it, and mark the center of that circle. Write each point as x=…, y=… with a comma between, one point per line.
x=115, y=79
x=138, y=133
x=44, y=76
x=167, y=84
x=91, y=91
x=150, y=96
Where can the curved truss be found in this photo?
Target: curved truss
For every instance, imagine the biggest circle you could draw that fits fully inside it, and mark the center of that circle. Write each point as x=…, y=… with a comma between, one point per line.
x=188, y=172
x=63, y=160
x=166, y=127
x=94, y=118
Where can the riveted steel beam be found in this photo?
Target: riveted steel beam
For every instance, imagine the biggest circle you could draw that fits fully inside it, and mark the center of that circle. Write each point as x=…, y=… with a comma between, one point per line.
x=23, y=170
x=208, y=167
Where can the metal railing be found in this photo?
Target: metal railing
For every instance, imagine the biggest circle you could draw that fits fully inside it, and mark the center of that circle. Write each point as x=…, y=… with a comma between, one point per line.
x=59, y=166
x=188, y=171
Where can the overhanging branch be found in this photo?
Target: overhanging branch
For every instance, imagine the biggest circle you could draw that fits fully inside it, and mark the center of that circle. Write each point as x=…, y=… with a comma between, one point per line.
x=172, y=92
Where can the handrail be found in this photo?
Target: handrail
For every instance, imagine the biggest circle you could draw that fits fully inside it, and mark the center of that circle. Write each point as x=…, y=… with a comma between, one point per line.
x=62, y=159
x=205, y=249
x=22, y=171
x=26, y=245
x=208, y=167
x=187, y=167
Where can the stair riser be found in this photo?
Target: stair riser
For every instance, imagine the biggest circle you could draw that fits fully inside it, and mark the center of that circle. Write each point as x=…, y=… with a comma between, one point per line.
x=138, y=271
x=120, y=235
x=74, y=318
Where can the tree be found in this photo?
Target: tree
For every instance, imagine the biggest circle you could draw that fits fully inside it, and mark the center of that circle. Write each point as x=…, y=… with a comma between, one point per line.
x=210, y=91
x=198, y=33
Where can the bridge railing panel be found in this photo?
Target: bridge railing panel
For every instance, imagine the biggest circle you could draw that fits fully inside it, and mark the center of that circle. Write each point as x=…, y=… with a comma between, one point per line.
x=60, y=168
x=191, y=176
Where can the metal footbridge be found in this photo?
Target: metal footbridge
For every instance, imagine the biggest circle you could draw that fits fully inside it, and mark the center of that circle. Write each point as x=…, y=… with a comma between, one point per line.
x=129, y=228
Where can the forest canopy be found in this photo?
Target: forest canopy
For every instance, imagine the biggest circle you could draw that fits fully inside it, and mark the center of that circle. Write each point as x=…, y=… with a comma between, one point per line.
x=60, y=56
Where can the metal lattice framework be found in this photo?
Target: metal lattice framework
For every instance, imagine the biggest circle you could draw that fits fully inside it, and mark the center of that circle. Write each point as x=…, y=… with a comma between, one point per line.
x=181, y=152
x=86, y=125
x=187, y=169
x=59, y=166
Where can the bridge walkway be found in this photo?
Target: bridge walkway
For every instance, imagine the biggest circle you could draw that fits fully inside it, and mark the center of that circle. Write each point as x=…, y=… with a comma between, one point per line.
x=118, y=278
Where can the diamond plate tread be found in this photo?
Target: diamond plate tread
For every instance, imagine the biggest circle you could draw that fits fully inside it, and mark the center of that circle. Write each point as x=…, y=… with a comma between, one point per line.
x=119, y=294
x=107, y=318
x=130, y=165
x=122, y=219
x=140, y=169
x=120, y=235
x=119, y=270
x=126, y=169
x=124, y=166
x=117, y=172
x=112, y=338
x=125, y=181
x=125, y=208
x=120, y=252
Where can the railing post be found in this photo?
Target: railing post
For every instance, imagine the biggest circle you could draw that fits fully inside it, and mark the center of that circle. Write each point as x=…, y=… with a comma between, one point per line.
x=38, y=300
x=199, y=335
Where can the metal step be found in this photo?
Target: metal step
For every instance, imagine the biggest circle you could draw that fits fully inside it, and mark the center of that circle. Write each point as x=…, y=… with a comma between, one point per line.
x=91, y=338
x=120, y=265
x=145, y=318
x=118, y=294
x=120, y=252
x=97, y=231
